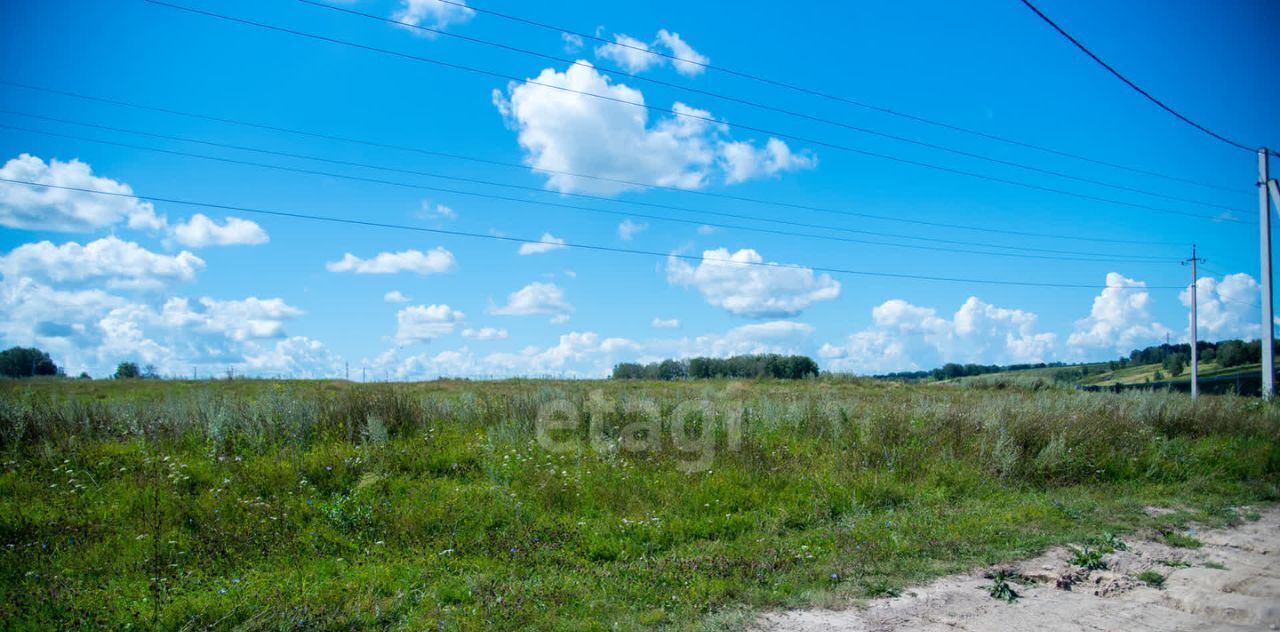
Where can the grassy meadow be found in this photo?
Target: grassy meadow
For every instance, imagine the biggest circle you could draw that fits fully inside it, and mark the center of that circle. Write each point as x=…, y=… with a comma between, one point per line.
x=572, y=504
x=1101, y=375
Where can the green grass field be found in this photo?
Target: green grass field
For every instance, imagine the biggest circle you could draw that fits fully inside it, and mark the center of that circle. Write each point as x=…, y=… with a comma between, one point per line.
x=1147, y=373
x=1046, y=375
x=571, y=505
x=1100, y=375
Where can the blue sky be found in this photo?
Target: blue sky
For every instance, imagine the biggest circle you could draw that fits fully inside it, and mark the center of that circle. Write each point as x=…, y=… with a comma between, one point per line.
x=96, y=279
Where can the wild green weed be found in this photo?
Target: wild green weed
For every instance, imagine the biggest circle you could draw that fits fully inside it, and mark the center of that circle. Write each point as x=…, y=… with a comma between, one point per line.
x=1001, y=587
x=1151, y=578
x=1088, y=558
x=1114, y=542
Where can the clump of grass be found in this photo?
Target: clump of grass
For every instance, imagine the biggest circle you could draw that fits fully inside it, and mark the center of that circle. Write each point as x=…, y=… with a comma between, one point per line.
x=1070, y=512
x=1181, y=540
x=879, y=587
x=1228, y=515
x=1088, y=558
x=1151, y=578
x=1252, y=516
x=1217, y=566
x=1172, y=563
x=1000, y=587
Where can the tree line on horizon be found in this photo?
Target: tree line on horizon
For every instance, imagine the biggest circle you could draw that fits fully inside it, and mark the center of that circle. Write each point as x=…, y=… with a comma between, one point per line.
x=1173, y=358
x=782, y=367
x=32, y=362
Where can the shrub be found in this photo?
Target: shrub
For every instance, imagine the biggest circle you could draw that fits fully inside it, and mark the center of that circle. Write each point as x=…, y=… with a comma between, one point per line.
x=1089, y=559
x=1151, y=578
x=127, y=371
x=1000, y=588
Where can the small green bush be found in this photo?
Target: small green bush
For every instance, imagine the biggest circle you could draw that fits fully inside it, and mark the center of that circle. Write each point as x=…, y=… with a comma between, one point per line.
x=1151, y=578
x=1088, y=558
x=1001, y=589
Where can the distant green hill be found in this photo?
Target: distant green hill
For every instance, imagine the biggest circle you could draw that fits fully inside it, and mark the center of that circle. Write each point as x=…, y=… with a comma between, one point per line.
x=1160, y=364
x=1099, y=374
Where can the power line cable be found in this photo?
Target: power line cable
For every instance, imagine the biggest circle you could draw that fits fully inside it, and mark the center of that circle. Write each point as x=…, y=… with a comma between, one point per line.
x=538, y=190
x=522, y=167
x=612, y=249
x=690, y=115
x=834, y=97
x=1146, y=260
x=771, y=108
x=1212, y=270
x=1131, y=84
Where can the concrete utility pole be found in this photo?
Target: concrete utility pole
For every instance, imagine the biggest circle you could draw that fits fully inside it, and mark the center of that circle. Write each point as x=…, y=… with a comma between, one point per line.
x=1268, y=312
x=1195, y=353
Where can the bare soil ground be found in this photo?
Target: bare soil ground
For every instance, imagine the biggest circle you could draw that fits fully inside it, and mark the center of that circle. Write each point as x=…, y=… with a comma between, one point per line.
x=1232, y=582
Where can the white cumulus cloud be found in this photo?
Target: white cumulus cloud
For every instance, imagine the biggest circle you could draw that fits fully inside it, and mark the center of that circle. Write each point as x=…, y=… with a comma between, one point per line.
x=778, y=336
x=92, y=330
x=572, y=43
x=435, y=261
x=576, y=353
x=420, y=323
x=200, y=231
x=485, y=333
x=548, y=243
x=630, y=53
x=688, y=62
x=436, y=211
x=1119, y=320
x=61, y=322
x=906, y=337
x=628, y=229
x=536, y=299
x=296, y=356
x=666, y=323
x=635, y=56
x=737, y=284
x=395, y=296
x=250, y=318
x=40, y=208
x=117, y=263
x=1227, y=308
x=432, y=13
x=566, y=131
x=744, y=161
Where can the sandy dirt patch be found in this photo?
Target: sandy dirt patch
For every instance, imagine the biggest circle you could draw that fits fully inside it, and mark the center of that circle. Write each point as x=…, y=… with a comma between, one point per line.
x=1232, y=582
